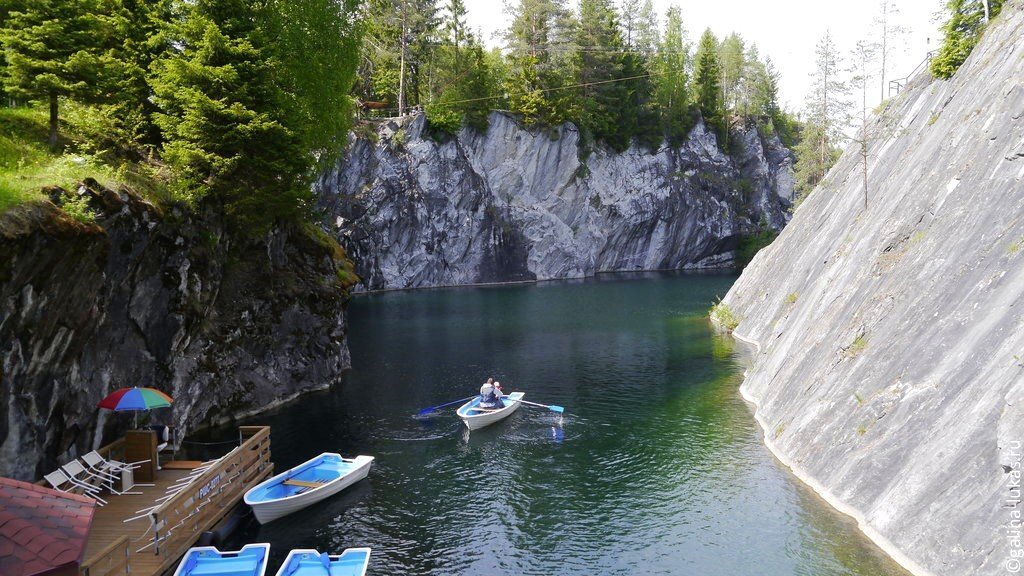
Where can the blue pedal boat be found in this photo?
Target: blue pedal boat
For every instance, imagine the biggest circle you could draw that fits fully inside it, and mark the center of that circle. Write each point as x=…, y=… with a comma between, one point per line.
x=351, y=562
x=306, y=484
x=251, y=560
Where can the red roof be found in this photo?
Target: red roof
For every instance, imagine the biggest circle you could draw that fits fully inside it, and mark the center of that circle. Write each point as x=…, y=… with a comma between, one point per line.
x=41, y=530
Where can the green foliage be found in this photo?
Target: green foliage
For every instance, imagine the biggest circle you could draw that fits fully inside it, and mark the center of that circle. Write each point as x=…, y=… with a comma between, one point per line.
x=61, y=48
x=961, y=33
x=468, y=84
x=724, y=316
x=78, y=208
x=828, y=114
x=752, y=244
x=672, y=87
x=252, y=94
x=27, y=164
x=707, y=87
x=859, y=344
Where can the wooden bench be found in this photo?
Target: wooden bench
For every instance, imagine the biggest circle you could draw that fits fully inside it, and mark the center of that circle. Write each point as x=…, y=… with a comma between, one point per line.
x=302, y=483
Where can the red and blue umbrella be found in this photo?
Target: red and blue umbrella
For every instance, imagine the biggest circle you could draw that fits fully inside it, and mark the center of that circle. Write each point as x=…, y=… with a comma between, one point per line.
x=135, y=399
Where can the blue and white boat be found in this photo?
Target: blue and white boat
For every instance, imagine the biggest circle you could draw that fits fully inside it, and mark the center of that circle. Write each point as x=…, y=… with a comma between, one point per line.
x=351, y=562
x=306, y=484
x=251, y=560
x=476, y=417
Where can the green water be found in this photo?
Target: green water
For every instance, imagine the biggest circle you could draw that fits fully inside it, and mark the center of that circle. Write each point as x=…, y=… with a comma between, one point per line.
x=656, y=467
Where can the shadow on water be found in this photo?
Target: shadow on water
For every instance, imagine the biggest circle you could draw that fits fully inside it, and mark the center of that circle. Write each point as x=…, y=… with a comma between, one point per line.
x=656, y=467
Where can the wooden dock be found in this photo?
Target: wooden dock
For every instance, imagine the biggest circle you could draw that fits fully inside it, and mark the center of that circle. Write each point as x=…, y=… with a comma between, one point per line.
x=155, y=540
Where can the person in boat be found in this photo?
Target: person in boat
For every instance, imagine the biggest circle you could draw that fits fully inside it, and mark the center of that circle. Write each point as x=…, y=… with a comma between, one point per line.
x=490, y=395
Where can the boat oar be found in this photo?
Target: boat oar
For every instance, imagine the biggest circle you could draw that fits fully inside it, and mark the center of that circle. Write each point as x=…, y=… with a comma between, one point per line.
x=432, y=408
x=551, y=407
x=325, y=560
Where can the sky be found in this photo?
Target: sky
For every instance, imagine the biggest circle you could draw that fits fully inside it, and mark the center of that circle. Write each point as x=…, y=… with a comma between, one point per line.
x=786, y=30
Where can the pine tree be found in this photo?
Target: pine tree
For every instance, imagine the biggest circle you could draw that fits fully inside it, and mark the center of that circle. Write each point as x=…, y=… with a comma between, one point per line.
x=827, y=112
x=61, y=48
x=707, y=88
x=863, y=55
x=253, y=92
x=536, y=38
x=397, y=53
x=672, y=80
x=604, y=107
x=967, y=20
x=889, y=35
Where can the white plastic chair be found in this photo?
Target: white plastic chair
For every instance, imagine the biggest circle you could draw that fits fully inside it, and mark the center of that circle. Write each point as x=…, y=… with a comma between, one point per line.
x=99, y=468
x=96, y=461
x=60, y=481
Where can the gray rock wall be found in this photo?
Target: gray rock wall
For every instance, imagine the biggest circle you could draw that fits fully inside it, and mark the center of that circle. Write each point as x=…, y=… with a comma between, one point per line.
x=515, y=204
x=890, y=363
x=226, y=326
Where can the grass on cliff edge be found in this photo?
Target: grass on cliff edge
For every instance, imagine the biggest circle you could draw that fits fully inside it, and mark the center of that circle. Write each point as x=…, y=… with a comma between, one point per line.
x=27, y=165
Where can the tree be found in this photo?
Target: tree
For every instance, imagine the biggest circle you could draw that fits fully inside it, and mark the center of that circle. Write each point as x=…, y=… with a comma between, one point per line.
x=61, y=48
x=863, y=55
x=707, y=88
x=671, y=84
x=250, y=96
x=603, y=107
x=639, y=27
x=827, y=111
x=536, y=38
x=467, y=93
x=732, y=64
x=754, y=92
x=397, y=53
x=890, y=33
x=967, y=20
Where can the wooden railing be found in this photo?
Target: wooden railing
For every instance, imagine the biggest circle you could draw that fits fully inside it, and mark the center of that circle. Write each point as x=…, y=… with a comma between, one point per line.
x=111, y=560
x=179, y=521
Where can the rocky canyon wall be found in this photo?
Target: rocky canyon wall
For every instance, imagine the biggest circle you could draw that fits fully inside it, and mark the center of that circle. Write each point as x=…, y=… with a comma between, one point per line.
x=890, y=364
x=513, y=203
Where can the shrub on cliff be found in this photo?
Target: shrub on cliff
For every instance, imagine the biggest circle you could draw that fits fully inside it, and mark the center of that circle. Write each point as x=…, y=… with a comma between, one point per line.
x=961, y=33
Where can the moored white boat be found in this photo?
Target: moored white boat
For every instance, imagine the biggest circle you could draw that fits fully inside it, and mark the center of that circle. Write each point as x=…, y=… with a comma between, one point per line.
x=476, y=417
x=251, y=560
x=306, y=484
x=351, y=562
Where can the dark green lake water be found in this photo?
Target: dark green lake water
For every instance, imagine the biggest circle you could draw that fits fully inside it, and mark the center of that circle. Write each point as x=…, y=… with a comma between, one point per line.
x=656, y=468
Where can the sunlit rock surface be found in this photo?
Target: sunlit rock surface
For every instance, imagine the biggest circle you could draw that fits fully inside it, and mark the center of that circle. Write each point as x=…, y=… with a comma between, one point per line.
x=516, y=204
x=890, y=371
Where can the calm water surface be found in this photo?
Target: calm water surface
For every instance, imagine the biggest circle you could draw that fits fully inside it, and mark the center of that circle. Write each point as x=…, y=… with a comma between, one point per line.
x=656, y=467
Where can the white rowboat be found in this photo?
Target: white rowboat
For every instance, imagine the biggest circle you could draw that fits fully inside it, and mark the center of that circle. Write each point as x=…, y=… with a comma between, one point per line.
x=306, y=484
x=476, y=417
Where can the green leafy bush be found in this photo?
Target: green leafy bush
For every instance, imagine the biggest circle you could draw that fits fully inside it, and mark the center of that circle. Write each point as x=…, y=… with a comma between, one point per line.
x=78, y=208
x=724, y=316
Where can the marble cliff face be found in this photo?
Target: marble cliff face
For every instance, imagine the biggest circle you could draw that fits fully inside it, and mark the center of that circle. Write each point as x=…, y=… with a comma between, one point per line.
x=890, y=338
x=513, y=204
x=226, y=325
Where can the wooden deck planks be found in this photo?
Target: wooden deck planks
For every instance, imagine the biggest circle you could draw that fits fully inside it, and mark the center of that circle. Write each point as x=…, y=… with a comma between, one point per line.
x=108, y=523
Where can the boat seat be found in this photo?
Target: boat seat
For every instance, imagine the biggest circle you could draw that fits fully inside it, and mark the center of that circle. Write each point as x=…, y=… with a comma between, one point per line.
x=303, y=483
x=227, y=567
